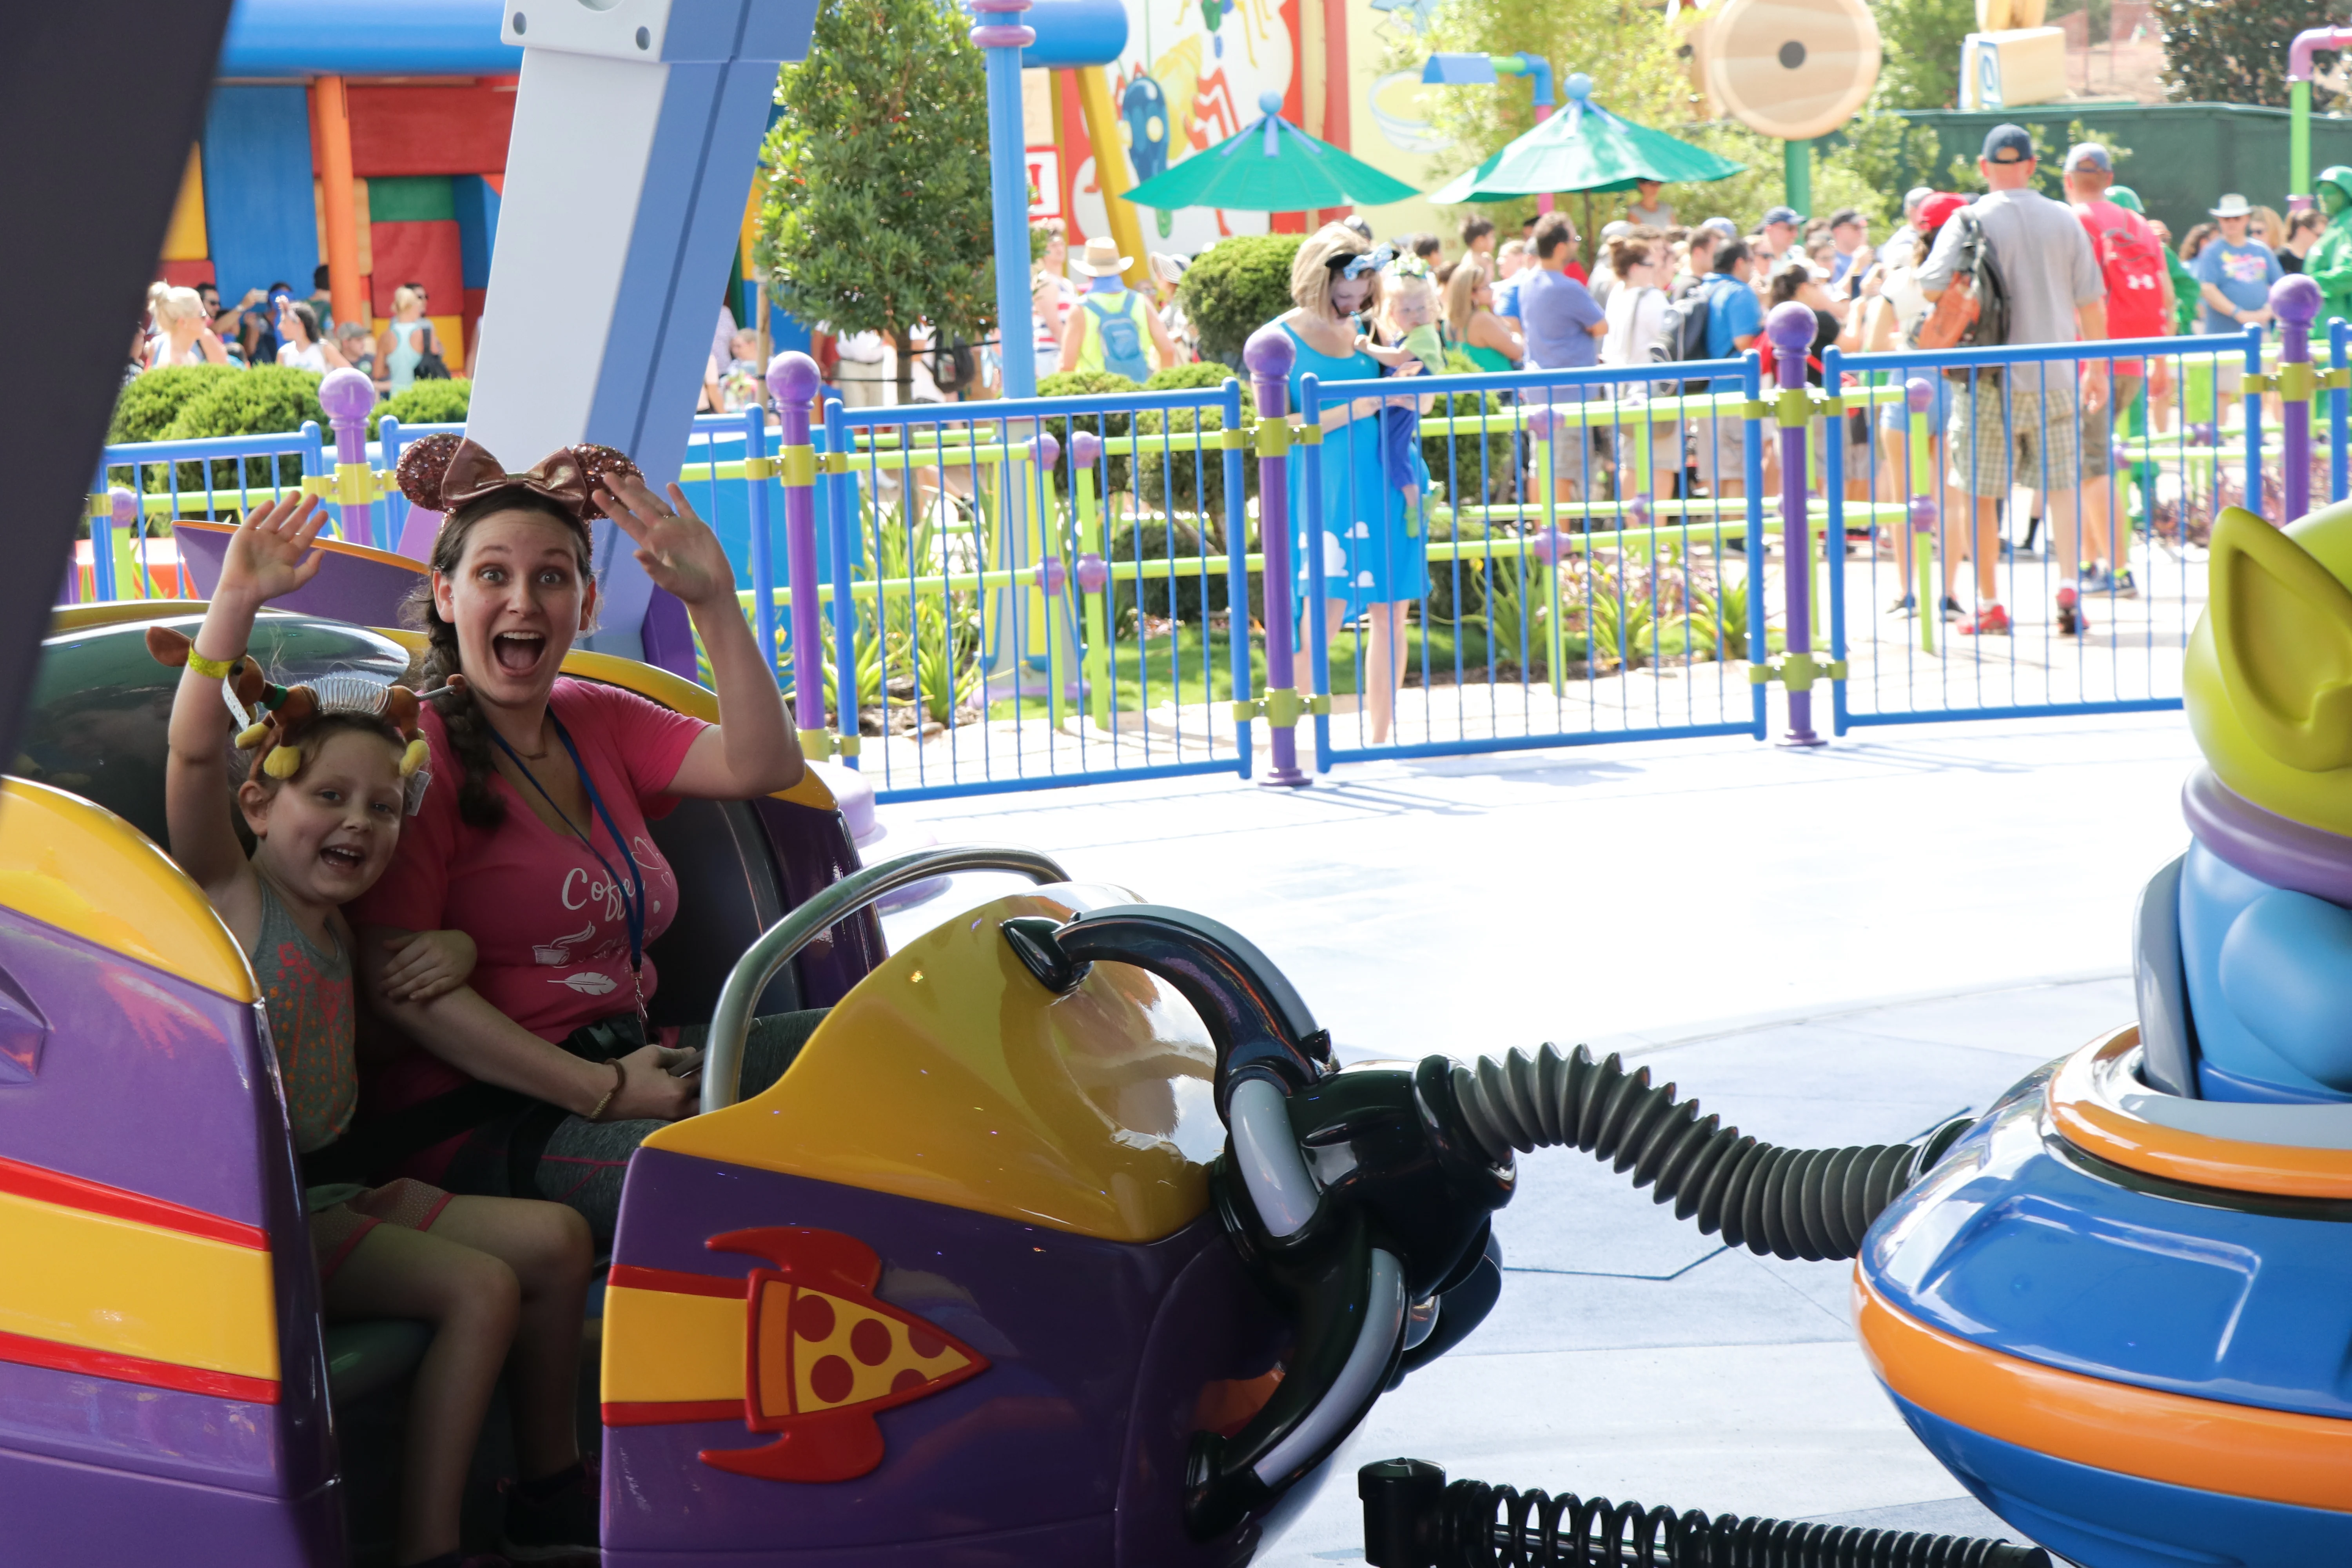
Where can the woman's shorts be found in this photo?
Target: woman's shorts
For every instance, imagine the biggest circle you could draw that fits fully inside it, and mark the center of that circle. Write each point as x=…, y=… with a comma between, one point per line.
x=1894, y=418
x=341, y=1217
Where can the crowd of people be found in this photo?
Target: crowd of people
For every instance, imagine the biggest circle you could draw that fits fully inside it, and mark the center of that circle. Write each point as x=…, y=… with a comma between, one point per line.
x=191, y=325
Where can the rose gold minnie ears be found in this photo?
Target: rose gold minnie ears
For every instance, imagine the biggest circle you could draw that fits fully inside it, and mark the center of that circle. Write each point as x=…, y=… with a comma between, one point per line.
x=442, y=473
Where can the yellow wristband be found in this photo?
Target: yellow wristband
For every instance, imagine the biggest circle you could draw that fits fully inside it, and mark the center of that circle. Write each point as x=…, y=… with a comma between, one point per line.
x=211, y=668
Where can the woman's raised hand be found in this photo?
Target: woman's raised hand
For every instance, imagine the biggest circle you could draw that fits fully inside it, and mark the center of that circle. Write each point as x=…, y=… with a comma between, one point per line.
x=269, y=555
x=676, y=548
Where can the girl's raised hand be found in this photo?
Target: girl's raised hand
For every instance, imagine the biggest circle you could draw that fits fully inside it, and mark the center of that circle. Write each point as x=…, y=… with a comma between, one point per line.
x=676, y=548
x=270, y=554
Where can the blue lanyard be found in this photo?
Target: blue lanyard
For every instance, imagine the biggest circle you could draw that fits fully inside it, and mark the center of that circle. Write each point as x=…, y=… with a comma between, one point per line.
x=633, y=891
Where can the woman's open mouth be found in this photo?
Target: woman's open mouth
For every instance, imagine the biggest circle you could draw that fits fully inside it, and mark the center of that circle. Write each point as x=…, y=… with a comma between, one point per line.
x=517, y=652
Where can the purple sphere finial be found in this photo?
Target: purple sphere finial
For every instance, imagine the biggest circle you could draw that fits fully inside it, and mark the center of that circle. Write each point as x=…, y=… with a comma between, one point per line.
x=793, y=378
x=1917, y=395
x=123, y=505
x=2296, y=300
x=1049, y=450
x=1790, y=327
x=1268, y=352
x=346, y=394
x=1923, y=514
x=1086, y=449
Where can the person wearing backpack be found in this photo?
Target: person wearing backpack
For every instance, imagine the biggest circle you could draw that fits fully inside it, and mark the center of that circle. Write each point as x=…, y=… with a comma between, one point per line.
x=1113, y=328
x=1734, y=321
x=2139, y=305
x=2027, y=264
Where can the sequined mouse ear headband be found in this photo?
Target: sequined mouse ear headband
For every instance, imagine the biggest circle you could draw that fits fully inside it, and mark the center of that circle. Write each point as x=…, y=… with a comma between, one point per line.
x=442, y=473
x=271, y=718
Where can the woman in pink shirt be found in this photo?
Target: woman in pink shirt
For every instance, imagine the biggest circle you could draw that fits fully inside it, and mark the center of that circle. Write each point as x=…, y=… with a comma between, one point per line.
x=539, y=1078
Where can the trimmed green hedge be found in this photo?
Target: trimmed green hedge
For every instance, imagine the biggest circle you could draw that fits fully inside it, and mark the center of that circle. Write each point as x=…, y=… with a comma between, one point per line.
x=426, y=402
x=1090, y=383
x=1237, y=286
x=150, y=404
x=268, y=400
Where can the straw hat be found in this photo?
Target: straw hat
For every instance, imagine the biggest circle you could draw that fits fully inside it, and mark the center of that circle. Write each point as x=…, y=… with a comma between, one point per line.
x=1101, y=260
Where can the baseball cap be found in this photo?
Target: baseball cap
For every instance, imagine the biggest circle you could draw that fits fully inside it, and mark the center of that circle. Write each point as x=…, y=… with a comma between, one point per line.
x=1722, y=226
x=1611, y=230
x=1915, y=196
x=1937, y=211
x=1780, y=215
x=2009, y=144
x=2127, y=198
x=2089, y=155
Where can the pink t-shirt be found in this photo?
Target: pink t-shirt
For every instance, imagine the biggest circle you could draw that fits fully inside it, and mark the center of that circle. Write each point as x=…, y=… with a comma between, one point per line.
x=550, y=926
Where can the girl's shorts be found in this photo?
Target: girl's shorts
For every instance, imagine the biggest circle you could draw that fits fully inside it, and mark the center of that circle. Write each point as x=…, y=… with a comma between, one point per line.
x=341, y=1217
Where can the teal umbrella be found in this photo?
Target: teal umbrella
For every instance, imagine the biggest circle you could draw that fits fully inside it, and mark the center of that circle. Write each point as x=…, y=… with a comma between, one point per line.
x=1585, y=147
x=1271, y=168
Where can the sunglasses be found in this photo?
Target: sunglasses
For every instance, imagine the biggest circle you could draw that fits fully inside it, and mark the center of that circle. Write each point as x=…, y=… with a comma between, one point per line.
x=1347, y=266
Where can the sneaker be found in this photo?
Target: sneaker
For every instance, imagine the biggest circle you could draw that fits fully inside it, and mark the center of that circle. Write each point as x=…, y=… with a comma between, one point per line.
x=2088, y=572
x=2072, y=621
x=1954, y=610
x=1991, y=621
x=2095, y=580
x=553, y=1519
x=2122, y=585
x=1904, y=605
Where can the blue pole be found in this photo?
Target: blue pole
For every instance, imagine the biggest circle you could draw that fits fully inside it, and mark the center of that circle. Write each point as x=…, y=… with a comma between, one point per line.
x=844, y=516
x=102, y=536
x=2338, y=334
x=1237, y=597
x=763, y=546
x=1318, y=634
x=2253, y=423
x=1751, y=459
x=1008, y=173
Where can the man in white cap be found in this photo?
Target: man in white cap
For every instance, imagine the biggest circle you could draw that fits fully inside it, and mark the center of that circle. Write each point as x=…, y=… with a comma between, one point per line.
x=2234, y=273
x=1113, y=328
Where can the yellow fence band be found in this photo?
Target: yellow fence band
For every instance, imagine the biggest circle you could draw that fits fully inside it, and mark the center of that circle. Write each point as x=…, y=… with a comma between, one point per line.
x=798, y=465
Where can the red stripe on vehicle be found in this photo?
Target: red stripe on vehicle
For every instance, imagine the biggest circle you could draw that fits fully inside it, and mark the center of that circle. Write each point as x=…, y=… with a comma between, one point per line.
x=669, y=1413
x=631, y=1276
x=44, y=1185
x=26, y=1350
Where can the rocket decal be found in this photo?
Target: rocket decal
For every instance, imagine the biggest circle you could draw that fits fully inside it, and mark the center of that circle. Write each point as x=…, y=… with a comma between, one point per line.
x=822, y=1356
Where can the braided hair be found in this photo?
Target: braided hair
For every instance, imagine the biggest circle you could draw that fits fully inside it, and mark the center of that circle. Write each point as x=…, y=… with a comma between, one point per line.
x=462, y=720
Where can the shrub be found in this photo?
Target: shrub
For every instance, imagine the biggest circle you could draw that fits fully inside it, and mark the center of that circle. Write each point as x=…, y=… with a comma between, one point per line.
x=1457, y=589
x=1202, y=376
x=150, y=404
x=1235, y=286
x=1175, y=474
x=1454, y=461
x=1152, y=539
x=1110, y=426
x=426, y=402
x=268, y=400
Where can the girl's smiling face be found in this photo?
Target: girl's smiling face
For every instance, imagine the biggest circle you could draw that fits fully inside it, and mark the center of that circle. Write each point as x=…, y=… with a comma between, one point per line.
x=326, y=833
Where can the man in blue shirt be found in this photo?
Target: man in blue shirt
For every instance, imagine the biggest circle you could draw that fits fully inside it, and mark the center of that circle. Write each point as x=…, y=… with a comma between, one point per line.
x=1734, y=319
x=2234, y=273
x=1564, y=322
x=1564, y=325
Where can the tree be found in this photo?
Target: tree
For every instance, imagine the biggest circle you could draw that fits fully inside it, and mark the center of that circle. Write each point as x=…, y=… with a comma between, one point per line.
x=1920, y=44
x=2235, y=53
x=876, y=217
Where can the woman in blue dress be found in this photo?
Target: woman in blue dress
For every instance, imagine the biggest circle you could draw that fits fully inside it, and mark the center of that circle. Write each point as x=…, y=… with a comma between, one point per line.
x=1373, y=564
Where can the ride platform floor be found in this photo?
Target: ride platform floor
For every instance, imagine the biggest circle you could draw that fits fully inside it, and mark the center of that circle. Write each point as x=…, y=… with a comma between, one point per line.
x=1841, y=945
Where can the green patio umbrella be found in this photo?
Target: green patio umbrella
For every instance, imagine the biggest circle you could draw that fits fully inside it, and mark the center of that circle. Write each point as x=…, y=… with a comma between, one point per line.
x=1585, y=147
x=1271, y=168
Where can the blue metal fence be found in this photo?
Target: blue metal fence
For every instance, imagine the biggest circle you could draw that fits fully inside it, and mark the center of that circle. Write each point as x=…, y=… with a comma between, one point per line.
x=1013, y=595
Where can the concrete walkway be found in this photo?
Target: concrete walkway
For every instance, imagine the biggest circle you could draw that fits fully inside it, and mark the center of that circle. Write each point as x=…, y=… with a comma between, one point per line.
x=1844, y=945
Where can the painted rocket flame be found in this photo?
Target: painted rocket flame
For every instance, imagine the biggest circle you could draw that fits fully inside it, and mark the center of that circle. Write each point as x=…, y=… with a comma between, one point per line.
x=822, y=1356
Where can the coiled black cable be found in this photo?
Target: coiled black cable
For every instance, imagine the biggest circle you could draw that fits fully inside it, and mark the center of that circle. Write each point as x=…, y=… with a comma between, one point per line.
x=1502, y=1527
x=1809, y=1204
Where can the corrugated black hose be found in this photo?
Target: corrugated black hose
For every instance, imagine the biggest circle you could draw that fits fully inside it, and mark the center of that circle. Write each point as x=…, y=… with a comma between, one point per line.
x=1809, y=1204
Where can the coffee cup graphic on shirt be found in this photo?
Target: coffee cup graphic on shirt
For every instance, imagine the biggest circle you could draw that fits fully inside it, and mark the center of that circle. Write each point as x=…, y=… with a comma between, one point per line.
x=558, y=952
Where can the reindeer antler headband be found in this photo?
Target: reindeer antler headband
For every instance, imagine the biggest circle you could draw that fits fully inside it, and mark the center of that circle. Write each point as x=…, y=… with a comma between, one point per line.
x=442, y=473
x=271, y=719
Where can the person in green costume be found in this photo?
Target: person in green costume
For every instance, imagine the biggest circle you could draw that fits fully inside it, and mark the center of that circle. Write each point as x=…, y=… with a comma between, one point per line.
x=2329, y=265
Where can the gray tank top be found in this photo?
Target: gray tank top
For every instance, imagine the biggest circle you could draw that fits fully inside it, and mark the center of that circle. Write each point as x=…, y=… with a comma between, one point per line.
x=312, y=1024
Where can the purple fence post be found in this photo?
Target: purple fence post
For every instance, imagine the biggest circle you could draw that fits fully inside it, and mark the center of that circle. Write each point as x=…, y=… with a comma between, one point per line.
x=347, y=394
x=793, y=379
x=2295, y=301
x=1791, y=328
x=1268, y=356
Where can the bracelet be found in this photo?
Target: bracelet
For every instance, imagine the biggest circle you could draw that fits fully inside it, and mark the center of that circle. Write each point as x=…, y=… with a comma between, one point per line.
x=211, y=668
x=620, y=1078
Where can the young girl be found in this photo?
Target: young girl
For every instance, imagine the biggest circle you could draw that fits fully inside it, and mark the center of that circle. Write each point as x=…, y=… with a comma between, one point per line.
x=324, y=799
